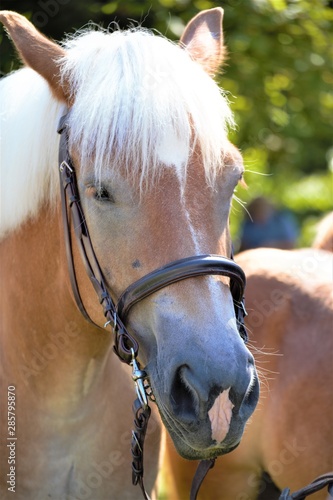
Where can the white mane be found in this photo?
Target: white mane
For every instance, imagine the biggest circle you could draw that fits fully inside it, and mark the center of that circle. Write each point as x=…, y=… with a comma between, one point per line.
x=140, y=103
x=29, y=147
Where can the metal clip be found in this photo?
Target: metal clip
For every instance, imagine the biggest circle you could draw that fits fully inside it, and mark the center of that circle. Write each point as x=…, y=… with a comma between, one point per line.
x=114, y=322
x=64, y=165
x=138, y=377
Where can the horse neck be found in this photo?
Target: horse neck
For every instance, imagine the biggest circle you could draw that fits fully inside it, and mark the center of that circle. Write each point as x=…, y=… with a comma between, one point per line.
x=46, y=340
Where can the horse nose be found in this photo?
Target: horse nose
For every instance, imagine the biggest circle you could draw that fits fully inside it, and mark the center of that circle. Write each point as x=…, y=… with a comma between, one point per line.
x=194, y=391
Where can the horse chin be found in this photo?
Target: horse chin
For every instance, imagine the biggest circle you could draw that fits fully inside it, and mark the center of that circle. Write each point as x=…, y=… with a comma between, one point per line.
x=189, y=453
x=196, y=443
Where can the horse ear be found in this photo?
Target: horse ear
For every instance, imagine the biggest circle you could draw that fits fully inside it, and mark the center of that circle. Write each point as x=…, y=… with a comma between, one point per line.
x=35, y=50
x=203, y=38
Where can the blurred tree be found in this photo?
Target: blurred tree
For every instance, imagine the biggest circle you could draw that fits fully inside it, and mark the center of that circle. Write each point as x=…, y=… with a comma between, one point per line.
x=278, y=77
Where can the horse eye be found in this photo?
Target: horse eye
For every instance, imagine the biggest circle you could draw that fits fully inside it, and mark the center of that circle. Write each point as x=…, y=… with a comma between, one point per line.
x=102, y=194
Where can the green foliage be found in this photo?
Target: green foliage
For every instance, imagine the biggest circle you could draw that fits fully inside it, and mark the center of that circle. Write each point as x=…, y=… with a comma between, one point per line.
x=278, y=77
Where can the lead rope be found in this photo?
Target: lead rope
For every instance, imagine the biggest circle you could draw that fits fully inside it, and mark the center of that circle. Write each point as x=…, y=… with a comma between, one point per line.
x=200, y=474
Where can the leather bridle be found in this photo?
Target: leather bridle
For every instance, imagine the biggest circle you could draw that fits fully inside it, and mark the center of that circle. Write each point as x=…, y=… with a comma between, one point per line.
x=125, y=345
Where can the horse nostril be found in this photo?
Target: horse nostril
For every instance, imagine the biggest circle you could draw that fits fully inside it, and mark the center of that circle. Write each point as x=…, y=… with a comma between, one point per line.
x=182, y=397
x=247, y=400
x=250, y=359
x=252, y=394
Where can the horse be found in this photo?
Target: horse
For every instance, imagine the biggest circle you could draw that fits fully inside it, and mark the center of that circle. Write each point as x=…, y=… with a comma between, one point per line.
x=289, y=440
x=138, y=202
x=324, y=234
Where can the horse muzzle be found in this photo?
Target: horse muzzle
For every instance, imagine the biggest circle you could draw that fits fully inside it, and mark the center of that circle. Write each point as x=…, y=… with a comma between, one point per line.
x=204, y=418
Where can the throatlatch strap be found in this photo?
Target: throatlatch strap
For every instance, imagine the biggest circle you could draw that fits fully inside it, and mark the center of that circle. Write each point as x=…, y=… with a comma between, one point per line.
x=200, y=474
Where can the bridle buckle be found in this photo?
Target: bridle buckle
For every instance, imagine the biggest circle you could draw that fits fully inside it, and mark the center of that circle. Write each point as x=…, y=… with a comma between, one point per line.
x=64, y=165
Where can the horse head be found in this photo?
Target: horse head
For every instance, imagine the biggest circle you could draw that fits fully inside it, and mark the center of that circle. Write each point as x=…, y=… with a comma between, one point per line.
x=147, y=134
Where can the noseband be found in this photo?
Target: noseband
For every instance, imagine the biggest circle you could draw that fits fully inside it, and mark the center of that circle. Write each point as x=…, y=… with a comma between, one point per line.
x=125, y=345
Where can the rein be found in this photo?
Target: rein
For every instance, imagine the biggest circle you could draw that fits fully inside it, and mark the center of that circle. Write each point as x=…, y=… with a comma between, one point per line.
x=317, y=484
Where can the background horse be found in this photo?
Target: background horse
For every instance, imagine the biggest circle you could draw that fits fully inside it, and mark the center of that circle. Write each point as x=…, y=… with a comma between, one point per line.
x=156, y=174
x=290, y=436
x=324, y=236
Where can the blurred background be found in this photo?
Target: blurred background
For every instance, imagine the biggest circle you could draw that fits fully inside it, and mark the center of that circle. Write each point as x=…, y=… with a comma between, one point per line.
x=278, y=78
